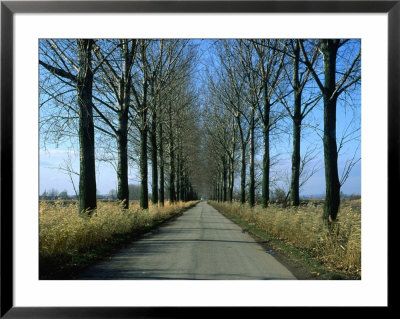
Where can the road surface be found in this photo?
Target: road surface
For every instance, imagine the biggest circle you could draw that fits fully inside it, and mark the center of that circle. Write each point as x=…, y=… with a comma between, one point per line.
x=200, y=244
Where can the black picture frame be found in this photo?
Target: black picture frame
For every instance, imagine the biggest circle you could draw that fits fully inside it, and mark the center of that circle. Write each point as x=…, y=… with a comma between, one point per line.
x=9, y=8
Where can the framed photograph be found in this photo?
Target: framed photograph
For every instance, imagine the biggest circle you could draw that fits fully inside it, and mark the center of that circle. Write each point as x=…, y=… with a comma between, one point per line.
x=37, y=34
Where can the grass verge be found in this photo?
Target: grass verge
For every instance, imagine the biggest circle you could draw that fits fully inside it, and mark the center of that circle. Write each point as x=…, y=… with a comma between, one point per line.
x=303, y=262
x=69, y=243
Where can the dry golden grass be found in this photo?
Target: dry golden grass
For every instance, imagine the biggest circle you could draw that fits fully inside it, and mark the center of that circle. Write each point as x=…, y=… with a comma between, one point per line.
x=338, y=247
x=63, y=232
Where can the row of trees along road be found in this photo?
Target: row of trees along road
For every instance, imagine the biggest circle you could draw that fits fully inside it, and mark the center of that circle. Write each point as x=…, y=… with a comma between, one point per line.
x=114, y=94
x=200, y=111
x=254, y=86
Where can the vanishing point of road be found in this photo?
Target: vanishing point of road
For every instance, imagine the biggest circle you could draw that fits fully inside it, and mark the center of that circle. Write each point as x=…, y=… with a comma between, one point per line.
x=200, y=244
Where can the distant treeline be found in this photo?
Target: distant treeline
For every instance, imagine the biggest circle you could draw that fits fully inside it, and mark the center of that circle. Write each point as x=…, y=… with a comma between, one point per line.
x=134, y=194
x=53, y=194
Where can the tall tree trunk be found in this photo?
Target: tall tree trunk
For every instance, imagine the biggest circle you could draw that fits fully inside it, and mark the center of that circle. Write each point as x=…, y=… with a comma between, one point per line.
x=243, y=174
x=231, y=172
x=232, y=178
x=332, y=197
x=172, y=197
x=171, y=164
x=218, y=190
x=183, y=184
x=224, y=178
x=144, y=129
x=186, y=189
x=266, y=157
x=228, y=194
x=154, y=157
x=122, y=170
x=144, y=191
x=178, y=175
x=265, y=168
x=297, y=119
x=161, y=153
x=295, y=180
x=122, y=136
x=230, y=181
x=252, y=198
x=87, y=176
x=242, y=163
x=222, y=186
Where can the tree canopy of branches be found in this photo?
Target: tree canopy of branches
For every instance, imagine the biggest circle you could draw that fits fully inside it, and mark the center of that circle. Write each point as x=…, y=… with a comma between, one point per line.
x=207, y=117
x=128, y=85
x=261, y=82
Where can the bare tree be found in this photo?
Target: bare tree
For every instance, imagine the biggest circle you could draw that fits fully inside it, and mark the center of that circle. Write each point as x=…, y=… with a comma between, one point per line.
x=298, y=78
x=116, y=58
x=270, y=66
x=82, y=79
x=331, y=89
x=67, y=168
x=231, y=89
x=253, y=83
x=221, y=129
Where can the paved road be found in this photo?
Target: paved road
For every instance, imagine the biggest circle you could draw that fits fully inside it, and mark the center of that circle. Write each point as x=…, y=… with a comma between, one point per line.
x=200, y=244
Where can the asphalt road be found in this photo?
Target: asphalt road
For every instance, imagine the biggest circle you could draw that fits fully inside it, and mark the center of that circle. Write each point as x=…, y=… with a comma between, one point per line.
x=200, y=244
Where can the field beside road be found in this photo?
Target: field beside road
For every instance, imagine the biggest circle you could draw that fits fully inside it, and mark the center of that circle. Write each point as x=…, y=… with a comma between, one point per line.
x=296, y=237
x=300, y=233
x=68, y=242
